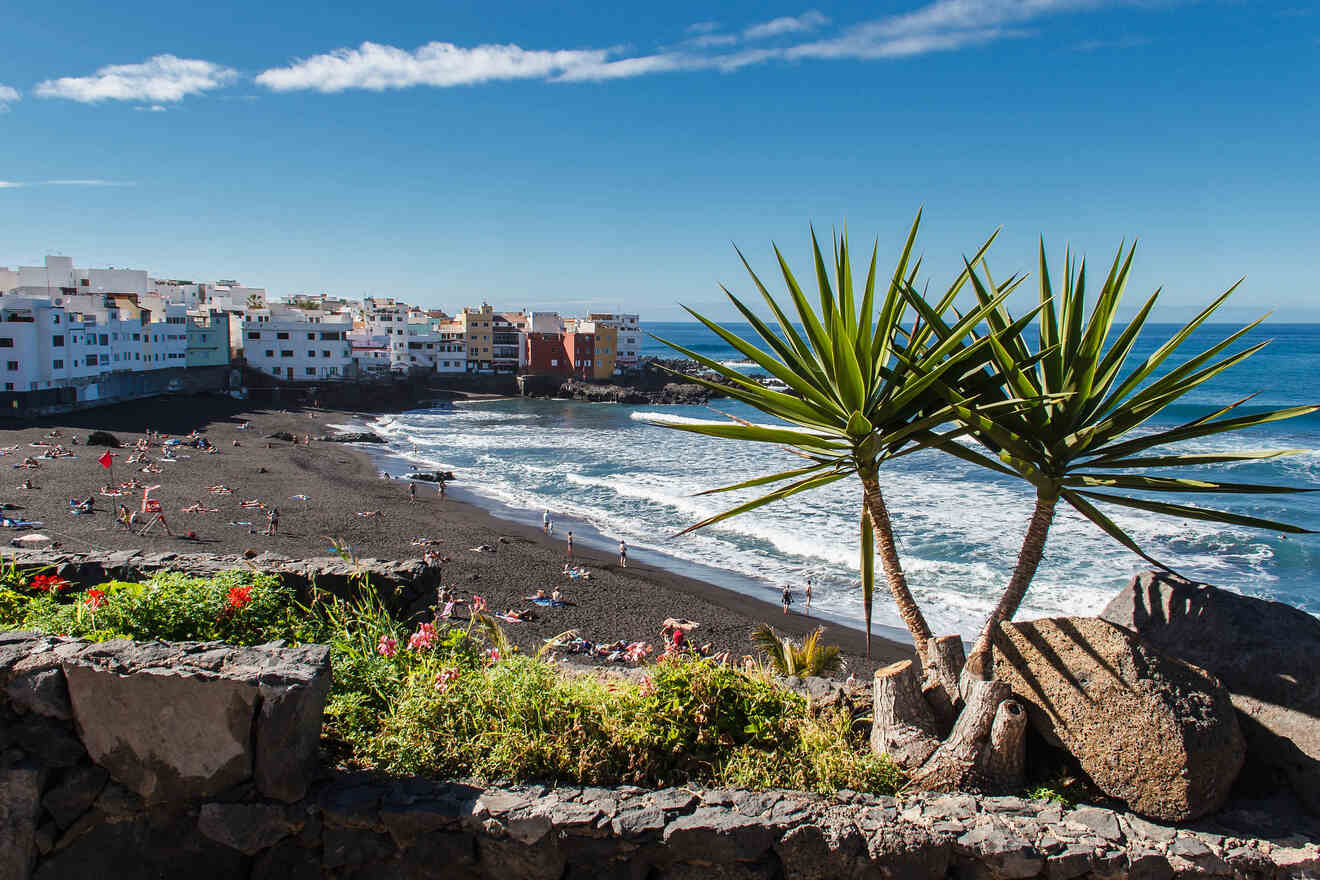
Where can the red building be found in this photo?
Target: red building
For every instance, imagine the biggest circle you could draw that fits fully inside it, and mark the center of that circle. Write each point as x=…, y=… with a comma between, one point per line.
x=556, y=354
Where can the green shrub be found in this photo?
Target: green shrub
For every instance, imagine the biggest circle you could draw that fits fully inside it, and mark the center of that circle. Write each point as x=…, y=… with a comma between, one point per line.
x=236, y=607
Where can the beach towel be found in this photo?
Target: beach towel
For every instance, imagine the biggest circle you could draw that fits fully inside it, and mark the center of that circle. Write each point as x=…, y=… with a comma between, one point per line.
x=31, y=539
x=8, y=523
x=547, y=603
x=508, y=618
x=239, y=522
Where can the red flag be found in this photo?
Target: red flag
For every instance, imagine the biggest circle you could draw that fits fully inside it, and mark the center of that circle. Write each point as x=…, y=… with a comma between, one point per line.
x=106, y=460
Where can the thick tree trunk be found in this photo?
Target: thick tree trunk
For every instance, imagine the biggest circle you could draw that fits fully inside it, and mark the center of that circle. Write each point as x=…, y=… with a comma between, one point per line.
x=902, y=725
x=968, y=760
x=944, y=663
x=907, y=606
x=1033, y=549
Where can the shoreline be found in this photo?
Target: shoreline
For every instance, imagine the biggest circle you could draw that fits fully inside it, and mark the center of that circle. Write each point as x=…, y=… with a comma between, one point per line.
x=342, y=480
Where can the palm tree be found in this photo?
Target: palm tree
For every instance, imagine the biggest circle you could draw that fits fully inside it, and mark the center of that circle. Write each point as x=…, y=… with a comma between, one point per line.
x=788, y=658
x=860, y=392
x=1073, y=430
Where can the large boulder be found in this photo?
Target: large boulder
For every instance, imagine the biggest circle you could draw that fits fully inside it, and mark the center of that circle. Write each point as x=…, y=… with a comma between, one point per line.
x=1266, y=653
x=1153, y=731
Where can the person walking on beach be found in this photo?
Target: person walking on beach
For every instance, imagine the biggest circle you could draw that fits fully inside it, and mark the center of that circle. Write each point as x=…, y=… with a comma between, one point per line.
x=808, y=608
x=787, y=598
x=273, y=521
x=412, y=492
x=545, y=521
x=570, y=545
x=442, y=488
x=623, y=554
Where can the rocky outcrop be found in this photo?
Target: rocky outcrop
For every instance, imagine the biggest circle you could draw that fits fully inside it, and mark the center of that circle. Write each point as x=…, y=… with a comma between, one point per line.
x=352, y=437
x=672, y=393
x=1266, y=653
x=1155, y=732
x=62, y=815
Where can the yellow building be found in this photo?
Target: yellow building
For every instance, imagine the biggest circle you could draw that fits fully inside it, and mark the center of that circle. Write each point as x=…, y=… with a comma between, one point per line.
x=607, y=350
x=476, y=324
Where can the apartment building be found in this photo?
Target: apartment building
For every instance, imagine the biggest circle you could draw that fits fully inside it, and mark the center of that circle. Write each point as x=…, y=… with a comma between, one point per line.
x=298, y=345
x=628, y=347
x=605, y=341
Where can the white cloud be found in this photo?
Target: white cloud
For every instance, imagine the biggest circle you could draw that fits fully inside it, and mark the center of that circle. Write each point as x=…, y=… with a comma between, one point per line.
x=8, y=95
x=789, y=24
x=153, y=108
x=16, y=184
x=376, y=67
x=938, y=26
x=162, y=79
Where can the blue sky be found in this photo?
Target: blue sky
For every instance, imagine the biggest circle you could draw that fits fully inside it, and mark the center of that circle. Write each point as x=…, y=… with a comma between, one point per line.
x=571, y=156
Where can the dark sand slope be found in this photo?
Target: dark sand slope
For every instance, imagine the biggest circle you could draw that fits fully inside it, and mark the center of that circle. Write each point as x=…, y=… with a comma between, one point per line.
x=340, y=481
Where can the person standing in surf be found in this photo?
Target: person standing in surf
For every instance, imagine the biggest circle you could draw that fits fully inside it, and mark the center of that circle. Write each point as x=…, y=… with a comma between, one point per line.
x=570, y=545
x=623, y=554
x=545, y=521
x=787, y=598
x=807, y=610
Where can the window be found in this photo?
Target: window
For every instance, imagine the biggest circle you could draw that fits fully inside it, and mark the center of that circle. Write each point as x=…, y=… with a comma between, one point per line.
x=281, y=336
x=311, y=371
x=270, y=352
x=286, y=353
x=330, y=336
x=57, y=365
x=9, y=386
x=137, y=337
x=311, y=352
x=311, y=335
x=91, y=360
x=554, y=362
x=57, y=341
x=105, y=340
x=254, y=334
x=334, y=371
x=57, y=318
x=325, y=353
x=6, y=342
x=12, y=366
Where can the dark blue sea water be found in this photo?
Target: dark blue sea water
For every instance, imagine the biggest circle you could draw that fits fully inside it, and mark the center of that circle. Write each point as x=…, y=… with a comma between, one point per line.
x=959, y=527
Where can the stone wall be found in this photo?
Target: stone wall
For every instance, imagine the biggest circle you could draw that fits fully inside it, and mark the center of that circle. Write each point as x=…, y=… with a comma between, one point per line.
x=197, y=760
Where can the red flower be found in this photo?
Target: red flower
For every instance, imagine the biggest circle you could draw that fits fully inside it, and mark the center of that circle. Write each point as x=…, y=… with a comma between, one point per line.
x=238, y=597
x=43, y=583
x=95, y=599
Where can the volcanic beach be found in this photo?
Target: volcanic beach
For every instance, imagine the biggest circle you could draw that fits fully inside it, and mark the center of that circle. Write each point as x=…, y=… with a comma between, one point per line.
x=339, y=481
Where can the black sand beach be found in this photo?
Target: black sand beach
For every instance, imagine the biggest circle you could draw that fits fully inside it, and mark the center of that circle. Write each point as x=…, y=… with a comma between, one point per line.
x=339, y=481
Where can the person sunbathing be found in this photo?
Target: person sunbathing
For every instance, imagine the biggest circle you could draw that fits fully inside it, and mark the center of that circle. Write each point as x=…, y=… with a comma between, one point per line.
x=198, y=508
x=371, y=514
x=254, y=503
x=220, y=490
x=26, y=485
x=540, y=594
x=30, y=464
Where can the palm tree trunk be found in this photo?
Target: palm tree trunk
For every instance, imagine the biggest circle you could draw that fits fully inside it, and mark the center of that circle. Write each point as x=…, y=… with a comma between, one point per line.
x=907, y=606
x=1033, y=549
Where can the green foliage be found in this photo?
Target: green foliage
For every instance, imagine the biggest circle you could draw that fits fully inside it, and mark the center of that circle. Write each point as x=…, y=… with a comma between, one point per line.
x=237, y=607
x=789, y=658
x=691, y=721
x=1080, y=405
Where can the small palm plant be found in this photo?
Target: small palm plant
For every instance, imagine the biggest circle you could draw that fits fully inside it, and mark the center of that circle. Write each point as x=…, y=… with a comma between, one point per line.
x=861, y=391
x=1075, y=430
x=789, y=658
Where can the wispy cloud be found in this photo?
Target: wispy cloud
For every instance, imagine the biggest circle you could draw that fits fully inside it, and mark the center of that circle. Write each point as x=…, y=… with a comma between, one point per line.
x=789, y=24
x=703, y=27
x=376, y=67
x=17, y=184
x=162, y=79
x=152, y=108
x=8, y=95
x=1129, y=42
x=938, y=26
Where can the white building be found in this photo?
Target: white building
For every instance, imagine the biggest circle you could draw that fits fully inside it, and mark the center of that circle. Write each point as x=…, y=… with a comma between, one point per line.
x=298, y=345
x=630, y=336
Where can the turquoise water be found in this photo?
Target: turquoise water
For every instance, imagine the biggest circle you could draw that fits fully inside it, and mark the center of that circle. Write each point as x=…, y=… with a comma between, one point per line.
x=959, y=527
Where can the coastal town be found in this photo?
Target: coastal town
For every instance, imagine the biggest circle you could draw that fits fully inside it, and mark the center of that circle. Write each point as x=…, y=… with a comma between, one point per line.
x=76, y=337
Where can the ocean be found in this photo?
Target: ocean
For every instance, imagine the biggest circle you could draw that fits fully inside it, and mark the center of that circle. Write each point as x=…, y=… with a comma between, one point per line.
x=603, y=471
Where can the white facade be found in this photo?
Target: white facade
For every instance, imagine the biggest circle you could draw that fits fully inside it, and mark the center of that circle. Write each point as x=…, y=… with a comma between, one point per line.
x=297, y=345
x=630, y=336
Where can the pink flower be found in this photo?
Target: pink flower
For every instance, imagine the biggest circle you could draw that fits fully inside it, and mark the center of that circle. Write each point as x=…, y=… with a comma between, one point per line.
x=423, y=639
x=388, y=647
x=478, y=605
x=647, y=687
x=95, y=599
x=492, y=656
x=445, y=678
